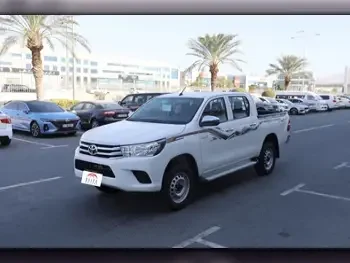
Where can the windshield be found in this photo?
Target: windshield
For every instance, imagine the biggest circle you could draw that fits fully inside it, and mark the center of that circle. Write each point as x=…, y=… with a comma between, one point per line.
x=287, y=102
x=263, y=100
x=43, y=106
x=271, y=100
x=169, y=110
x=111, y=106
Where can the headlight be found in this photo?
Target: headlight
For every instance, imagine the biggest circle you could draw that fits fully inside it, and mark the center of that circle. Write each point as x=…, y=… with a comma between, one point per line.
x=143, y=150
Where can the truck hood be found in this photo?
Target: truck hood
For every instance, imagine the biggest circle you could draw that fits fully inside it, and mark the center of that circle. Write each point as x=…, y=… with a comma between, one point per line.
x=130, y=132
x=55, y=115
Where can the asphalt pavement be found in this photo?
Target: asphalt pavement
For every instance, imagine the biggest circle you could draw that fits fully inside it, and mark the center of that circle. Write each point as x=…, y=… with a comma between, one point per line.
x=304, y=203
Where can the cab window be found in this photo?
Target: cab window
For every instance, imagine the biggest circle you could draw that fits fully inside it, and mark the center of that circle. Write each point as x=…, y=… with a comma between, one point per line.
x=217, y=108
x=240, y=107
x=11, y=106
x=78, y=106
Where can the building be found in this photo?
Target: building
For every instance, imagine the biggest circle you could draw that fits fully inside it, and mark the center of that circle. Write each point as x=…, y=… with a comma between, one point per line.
x=335, y=83
x=244, y=81
x=299, y=82
x=86, y=72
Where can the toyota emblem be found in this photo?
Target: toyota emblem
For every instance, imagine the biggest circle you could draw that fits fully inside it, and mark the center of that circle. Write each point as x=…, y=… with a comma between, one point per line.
x=92, y=149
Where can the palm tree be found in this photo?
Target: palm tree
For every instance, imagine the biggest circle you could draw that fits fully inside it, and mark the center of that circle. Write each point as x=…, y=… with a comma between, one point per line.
x=212, y=51
x=287, y=66
x=35, y=30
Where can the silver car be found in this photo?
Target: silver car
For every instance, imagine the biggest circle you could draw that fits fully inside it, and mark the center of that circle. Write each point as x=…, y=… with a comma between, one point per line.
x=295, y=108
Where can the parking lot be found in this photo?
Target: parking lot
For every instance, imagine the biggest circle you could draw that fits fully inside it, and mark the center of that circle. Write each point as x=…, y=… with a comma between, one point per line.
x=304, y=203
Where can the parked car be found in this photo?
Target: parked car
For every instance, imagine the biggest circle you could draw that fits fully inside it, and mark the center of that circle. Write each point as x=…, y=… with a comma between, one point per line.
x=298, y=101
x=343, y=102
x=294, y=108
x=312, y=99
x=346, y=100
x=17, y=88
x=95, y=113
x=330, y=100
x=134, y=101
x=40, y=117
x=174, y=141
x=5, y=129
x=262, y=105
x=278, y=106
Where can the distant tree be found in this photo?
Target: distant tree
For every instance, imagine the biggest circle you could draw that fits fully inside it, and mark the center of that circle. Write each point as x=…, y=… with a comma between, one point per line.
x=268, y=93
x=252, y=88
x=212, y=51
x=287, y=66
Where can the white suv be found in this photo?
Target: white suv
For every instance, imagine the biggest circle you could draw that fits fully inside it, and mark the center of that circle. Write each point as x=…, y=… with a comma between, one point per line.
x=330, y=100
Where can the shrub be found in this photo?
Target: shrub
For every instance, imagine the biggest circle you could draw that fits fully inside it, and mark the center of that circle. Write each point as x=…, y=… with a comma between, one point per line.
x=238, y=89
x=64, y=103
x=268, y=93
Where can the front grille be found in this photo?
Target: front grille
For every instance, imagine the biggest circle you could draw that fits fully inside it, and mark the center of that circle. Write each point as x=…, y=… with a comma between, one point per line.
x=103, y=150
x=94, y=167
x=59, y=124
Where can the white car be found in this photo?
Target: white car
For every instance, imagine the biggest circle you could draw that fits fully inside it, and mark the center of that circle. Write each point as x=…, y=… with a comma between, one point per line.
x=330, y=100
x=280, y=106
x=174, y=140
x=295, y=108
x=5, y=129
x=343, y=102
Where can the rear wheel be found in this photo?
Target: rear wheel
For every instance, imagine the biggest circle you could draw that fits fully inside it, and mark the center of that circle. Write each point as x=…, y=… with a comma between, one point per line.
x=267, y=159
x=35, y=129
x=179, y=185
x=94, y=123
x=5, y=141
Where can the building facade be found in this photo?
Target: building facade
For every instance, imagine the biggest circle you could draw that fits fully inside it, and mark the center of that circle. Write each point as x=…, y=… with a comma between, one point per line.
x=88, y=72
x=299, y=82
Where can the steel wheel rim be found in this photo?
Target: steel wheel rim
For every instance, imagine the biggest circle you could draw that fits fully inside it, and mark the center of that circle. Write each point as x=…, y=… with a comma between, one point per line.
x=179, y=188
x=35, y=130
x=268, y=159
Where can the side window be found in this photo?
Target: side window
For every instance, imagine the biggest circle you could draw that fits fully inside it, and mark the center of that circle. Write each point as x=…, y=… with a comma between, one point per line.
x=22, y=107
x=78, y=106
x=128, y=99
x=140, y=99
x=88, y=106
x=217, y=108
x=11, y=106
x=309, y=97
x=240, y=107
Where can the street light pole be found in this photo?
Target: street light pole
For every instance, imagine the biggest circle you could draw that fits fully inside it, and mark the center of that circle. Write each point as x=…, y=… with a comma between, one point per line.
x=301, y=34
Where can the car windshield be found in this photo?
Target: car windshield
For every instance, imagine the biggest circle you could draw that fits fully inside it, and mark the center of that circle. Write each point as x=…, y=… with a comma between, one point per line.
x=43, y=106
x=271, y=100
x=169, y=110
x=263, y=99
x=111, y=106
x=287, y=102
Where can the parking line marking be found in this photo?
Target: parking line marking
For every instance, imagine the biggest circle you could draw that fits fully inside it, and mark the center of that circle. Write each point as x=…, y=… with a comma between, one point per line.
x=342, y=165
x=313, y=128
x=324, y=195
x=209, y=243
x=295, y=188
x=29, y=183
x=56, y=146
x=32, y=142
x=205, y=233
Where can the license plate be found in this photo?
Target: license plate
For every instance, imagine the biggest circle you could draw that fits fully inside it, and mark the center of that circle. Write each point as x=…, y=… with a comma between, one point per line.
x=91, y=178
x=68, y=125
x=122, y=115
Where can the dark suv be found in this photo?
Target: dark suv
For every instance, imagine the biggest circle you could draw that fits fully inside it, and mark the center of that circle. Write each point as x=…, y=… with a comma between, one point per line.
x=134, y=101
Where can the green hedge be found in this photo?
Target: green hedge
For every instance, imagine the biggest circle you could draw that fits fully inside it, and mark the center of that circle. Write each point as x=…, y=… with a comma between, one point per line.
x=64, y=103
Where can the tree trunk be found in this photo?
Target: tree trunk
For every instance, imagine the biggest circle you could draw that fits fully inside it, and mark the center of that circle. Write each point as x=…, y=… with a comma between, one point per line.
x=286, y=82
x=38, y=72
x=214, y=76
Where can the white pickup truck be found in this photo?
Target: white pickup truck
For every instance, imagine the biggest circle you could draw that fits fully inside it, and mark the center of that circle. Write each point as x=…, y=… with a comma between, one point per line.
x=175, y=140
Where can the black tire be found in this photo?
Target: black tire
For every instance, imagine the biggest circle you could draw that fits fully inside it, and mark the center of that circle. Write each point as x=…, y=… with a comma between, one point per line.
x=293, y=111
x=328, y=108
x=35, y=129
x=107, y=190
x=263, y=167
x=5, y=141
x=175, y=176
x=94, y=123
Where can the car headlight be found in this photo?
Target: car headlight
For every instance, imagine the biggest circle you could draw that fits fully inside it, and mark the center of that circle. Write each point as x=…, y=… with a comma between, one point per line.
x=143, y=150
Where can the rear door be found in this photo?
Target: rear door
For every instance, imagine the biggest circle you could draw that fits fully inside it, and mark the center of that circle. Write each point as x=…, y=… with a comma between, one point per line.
x=23, y=117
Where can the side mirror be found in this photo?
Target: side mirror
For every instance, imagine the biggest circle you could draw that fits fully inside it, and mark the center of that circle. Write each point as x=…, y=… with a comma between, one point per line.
x=209, y=120
x=26, y=111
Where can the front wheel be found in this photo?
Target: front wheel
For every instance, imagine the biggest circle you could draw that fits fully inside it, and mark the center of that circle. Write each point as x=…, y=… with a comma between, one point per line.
x=179, y=186
x=267, y=159
x=5, y=141
x=35, y=129
x=293, y=111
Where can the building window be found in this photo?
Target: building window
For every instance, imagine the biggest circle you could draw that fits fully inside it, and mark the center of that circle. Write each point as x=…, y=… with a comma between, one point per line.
x=50, y=58
x=28, y=56
x=71, y=60
x=63, y=60
x=28, y=66
x=46, y=67
x=70, y=69
x=174, y=74
x=63, y=69
x=93, y=63
x=78, y=70
x=78, y=61
x=93, y=71
x=54, y=68
x=86, y=62
x=86, y=70
x=5, y=63
x=17, y=55
x=166, y=69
